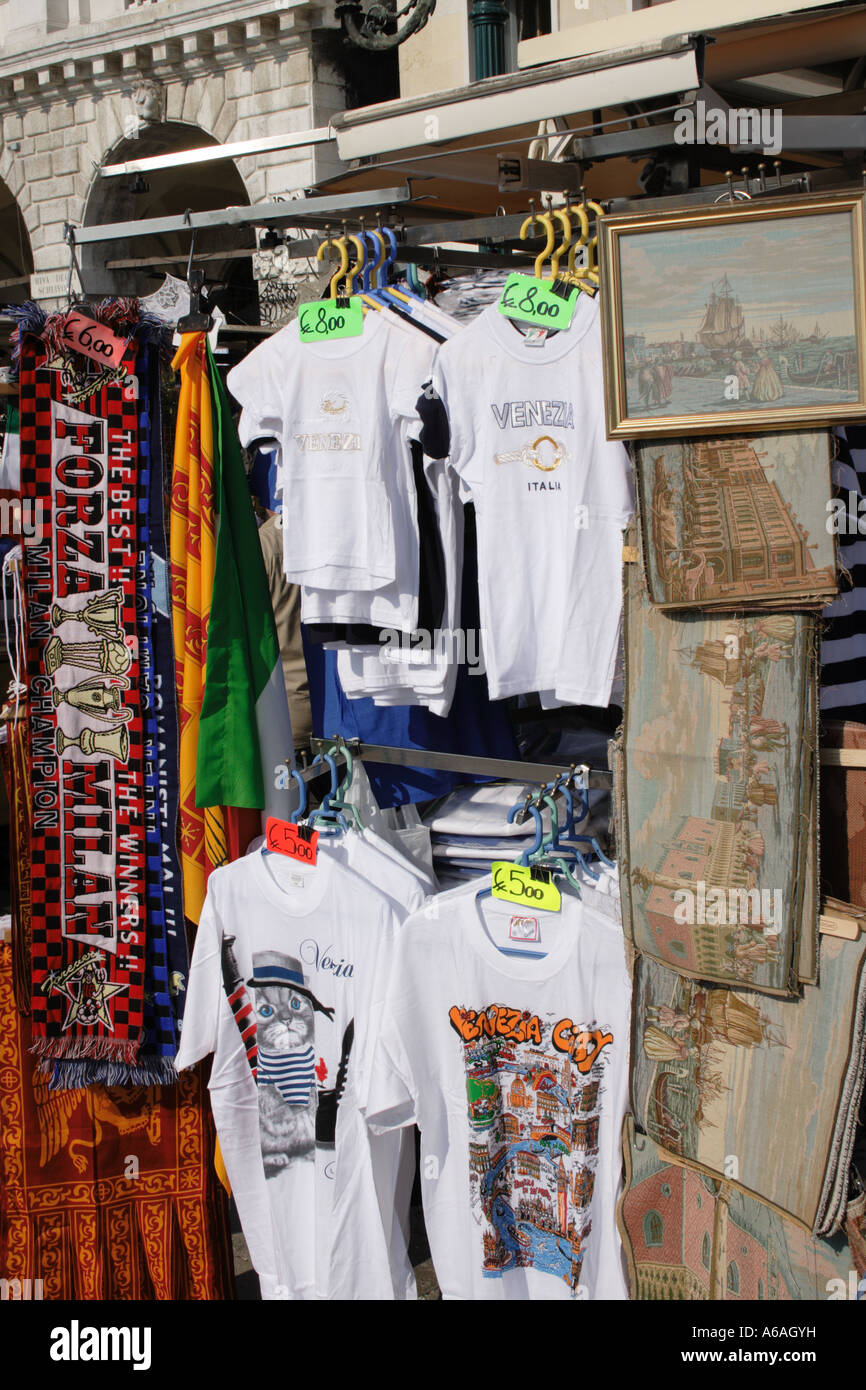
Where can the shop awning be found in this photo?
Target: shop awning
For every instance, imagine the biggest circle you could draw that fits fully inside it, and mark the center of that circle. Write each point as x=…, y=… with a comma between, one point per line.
x=559, y=89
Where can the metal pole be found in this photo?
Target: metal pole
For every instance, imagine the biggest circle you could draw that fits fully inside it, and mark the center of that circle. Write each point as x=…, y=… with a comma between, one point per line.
x=488, y=19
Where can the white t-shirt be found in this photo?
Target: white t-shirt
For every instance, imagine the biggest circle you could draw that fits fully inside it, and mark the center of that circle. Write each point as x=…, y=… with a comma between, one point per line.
x=515, y=1068
x=333, y=407
x=552, y=496
x=401, y=672
x=309, y=958
x=395, y=604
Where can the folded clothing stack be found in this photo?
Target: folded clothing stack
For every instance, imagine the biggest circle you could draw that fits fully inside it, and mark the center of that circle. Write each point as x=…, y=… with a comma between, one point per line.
x=469, y=829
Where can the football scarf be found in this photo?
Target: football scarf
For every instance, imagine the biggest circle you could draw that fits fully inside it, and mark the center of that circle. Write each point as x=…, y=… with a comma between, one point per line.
x=193, y=556
x=79, y=458
x=165, y=703
x=160, y=1038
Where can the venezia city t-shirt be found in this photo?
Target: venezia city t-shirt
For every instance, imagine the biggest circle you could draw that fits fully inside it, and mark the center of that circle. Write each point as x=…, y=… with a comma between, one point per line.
x=289, y=968
x=505, y=1038
x=552, y=496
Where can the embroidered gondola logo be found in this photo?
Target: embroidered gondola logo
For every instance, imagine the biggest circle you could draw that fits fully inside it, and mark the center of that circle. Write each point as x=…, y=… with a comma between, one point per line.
x=334, y=403
x=546, y=454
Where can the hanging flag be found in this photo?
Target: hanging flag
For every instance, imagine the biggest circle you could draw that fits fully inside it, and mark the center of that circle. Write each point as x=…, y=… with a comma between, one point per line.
x=245, y=729
x=193, y=554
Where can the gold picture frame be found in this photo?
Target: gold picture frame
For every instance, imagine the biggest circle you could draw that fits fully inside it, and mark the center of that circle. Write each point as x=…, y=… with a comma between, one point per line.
x=705, y=320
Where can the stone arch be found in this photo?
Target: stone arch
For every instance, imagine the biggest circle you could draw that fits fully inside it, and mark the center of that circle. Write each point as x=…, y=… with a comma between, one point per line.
x=169, y=192
x=16, y=252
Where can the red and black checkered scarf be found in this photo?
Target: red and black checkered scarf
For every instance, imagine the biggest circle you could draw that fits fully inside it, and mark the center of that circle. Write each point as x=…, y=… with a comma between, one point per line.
x=78, y=461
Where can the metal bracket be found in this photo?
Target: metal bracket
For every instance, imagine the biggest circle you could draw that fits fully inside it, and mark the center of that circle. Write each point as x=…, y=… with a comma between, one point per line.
x=518, y=174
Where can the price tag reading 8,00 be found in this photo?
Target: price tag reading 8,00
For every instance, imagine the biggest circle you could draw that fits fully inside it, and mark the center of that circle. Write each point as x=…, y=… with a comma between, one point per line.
x=284, y=838
x=325, y=319
x=514, y=884
x=533, y=301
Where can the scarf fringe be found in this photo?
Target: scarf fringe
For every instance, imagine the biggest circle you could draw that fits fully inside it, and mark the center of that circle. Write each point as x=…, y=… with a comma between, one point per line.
x=74, y=1076
x=93, y=1049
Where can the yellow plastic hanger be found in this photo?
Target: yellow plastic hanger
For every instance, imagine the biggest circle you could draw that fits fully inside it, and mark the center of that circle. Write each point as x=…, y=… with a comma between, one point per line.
x=561, y=215
x=354, y=271
x=587, y=276
x=340, y=246
x=547, y=224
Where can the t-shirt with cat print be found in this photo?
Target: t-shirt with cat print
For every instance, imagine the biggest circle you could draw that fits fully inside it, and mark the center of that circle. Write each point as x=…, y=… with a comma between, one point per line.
x=288, y=969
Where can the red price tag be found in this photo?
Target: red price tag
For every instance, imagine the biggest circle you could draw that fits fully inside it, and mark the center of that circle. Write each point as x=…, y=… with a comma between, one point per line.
x=93, y=339
x=284, y=838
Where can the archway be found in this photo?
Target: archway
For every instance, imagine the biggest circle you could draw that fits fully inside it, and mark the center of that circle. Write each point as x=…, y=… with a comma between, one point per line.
x=16, y=262
x=169, y=192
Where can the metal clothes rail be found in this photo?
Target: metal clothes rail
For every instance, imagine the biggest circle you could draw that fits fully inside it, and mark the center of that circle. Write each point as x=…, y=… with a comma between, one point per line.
x=503, y=769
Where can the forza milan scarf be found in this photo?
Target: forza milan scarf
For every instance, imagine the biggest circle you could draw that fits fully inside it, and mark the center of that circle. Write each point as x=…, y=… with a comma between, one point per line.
x=79, y=459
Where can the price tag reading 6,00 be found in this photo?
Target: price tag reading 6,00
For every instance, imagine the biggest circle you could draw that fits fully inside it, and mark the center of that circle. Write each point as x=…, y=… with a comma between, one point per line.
x=514, y=884
x=92, y=339
x=284, y=838
x=324, y=319
x=533, y=301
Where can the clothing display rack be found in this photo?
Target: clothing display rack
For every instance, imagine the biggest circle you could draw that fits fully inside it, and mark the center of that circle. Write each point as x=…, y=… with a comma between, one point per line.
x=500, y=768
x=520, y=416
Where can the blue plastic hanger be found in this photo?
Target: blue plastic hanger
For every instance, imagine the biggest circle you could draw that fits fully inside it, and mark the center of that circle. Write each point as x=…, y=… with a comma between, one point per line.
x=519, y=810
x=332, y=816
x=551, y=851
x=413, y=283
x=299, y=812
x=564, y=842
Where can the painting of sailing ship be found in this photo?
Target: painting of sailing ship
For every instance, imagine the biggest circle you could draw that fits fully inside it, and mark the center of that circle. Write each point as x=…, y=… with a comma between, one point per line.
x=708, y=325
x=714, y=848
x=689, y=1236
x=740, y=520
x=710, y=1063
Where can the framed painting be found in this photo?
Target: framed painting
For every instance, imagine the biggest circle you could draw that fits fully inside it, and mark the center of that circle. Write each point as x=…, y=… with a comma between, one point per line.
x=733, y=318
x=737, y=522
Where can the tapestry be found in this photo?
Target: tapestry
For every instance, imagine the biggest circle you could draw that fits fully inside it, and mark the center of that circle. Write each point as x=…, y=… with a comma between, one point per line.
x=106, y=1192
x=735, y=522
x=79, y=445
x=193, y=556
x=758, y=1090
x=718, y=792
x=855, y=1229
x=688, y=1236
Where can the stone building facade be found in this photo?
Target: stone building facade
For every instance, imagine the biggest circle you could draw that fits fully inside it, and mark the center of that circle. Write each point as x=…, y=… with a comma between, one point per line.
x=84, y=83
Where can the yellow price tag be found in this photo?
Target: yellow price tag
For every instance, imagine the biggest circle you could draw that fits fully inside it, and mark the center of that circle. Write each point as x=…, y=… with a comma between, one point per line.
x=514, y=884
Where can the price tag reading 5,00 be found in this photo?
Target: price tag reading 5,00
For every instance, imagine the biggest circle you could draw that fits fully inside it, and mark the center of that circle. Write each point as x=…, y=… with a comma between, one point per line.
x=282, y=837
x=323, y=320
x=533, y=301
x=514, y=884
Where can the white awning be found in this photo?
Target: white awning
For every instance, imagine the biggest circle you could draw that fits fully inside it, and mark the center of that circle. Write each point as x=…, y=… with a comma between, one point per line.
x=560, y=89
